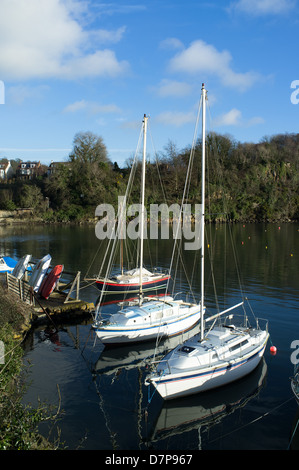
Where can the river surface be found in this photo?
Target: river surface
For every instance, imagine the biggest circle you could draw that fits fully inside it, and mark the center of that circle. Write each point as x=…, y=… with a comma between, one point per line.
x=104, y=402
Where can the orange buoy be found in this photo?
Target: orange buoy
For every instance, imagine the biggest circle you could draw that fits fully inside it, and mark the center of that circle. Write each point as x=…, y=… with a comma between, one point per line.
x=273, y=350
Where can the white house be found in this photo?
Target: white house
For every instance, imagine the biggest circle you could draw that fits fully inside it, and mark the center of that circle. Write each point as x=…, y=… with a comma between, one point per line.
x=5, y=169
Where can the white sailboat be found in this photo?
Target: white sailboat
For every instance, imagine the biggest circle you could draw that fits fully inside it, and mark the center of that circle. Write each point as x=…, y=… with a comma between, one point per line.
x=214, y=357
x=149, y=318
x=130, y=281
x=202, y=411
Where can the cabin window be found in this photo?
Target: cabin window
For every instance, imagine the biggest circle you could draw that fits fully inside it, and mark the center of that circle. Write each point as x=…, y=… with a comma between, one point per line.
x=186, y=349
x=239, y=345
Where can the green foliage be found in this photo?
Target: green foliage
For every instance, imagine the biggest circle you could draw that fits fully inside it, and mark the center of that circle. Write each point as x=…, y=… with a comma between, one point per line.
x=18, y=424
x=246, y=181
x=6, y=200
x=86, y=180
x=8, y=205
x=11, y=309
x=18, y=428
x=32, y=197
x=57, y=187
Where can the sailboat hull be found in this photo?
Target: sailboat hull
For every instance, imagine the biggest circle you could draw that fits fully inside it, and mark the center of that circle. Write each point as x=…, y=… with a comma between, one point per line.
x=114, y=287
x=188, y=382
x=115, y=334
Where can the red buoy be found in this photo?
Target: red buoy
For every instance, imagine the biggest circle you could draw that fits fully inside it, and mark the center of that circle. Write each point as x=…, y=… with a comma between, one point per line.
x=273, y=350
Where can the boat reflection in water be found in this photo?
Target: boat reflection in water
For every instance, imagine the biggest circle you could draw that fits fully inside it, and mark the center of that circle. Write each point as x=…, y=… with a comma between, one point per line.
x=113, y=359
x=206, y=409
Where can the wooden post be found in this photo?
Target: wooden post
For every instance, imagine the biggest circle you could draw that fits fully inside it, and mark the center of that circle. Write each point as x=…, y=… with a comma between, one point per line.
x=76, y=282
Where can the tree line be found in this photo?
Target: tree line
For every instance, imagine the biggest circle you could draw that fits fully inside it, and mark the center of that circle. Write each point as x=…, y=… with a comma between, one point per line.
x=245, y=181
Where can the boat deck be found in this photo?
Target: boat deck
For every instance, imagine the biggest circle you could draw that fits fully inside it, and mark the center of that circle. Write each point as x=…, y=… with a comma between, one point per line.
x=220, y=346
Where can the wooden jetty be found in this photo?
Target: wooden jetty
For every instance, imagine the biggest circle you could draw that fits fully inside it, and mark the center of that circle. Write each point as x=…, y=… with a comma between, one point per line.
x=63, y=303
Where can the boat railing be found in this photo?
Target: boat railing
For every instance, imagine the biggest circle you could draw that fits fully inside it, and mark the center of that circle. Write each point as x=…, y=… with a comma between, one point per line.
x=240, y=320
x=154, y=365
x=160, y=270
x=265, y=324
x=100, y=321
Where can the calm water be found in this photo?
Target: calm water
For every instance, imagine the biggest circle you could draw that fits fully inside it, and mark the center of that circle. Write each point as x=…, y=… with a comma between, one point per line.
x=104, y=401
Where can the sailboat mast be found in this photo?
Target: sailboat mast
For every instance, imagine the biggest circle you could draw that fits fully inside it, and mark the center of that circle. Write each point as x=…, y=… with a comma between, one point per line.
x=203, y=95
x=142, y=204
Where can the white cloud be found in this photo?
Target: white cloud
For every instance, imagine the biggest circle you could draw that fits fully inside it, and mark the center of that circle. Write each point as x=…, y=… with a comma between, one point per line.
x=263, y=7
x=171, y=43
x=44, y=38
x=112, y=8
x=204, y=58
x=234, y=118
x=173, y=88
x=176, y=118
x=91, y=107
x=103, y=35
x=17, y=94
x=98, y=64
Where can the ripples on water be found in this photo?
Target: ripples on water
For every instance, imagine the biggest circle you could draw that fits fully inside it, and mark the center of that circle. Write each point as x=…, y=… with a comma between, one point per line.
x=102, y=393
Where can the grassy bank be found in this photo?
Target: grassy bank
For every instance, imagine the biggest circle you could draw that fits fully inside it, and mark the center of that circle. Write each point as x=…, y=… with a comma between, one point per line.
x=18, y=424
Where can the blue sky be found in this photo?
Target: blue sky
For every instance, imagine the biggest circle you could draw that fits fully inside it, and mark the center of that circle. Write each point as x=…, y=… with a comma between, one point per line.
x=68, y=66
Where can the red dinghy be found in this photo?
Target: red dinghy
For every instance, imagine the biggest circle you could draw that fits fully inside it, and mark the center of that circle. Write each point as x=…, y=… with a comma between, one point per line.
x=50, y=281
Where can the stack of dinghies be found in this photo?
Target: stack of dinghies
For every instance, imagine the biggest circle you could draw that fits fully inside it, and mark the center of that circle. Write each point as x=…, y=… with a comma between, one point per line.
x=44, y=283
x=40, y=280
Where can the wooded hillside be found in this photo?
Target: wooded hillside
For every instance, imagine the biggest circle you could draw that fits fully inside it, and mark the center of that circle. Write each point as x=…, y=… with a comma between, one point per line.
x=246, y=181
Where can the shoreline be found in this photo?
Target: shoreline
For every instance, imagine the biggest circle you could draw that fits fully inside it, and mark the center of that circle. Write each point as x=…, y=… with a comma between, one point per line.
x=18, y=424
x=26, y=217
